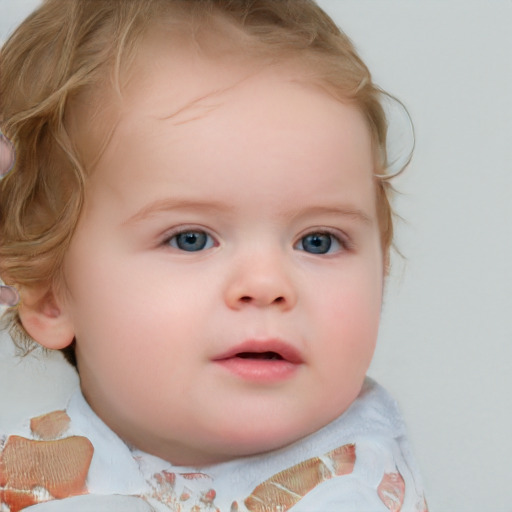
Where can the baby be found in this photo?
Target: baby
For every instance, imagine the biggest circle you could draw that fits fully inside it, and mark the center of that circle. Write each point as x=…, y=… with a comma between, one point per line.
x=199, y=216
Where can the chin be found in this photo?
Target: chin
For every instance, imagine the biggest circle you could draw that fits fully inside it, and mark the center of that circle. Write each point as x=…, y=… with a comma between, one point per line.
x=253, y=441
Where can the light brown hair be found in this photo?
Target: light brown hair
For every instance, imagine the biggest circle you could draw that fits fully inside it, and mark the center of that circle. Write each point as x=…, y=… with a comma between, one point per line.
x=68, y=48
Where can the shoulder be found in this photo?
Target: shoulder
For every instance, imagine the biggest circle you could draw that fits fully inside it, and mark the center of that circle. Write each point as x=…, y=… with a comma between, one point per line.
x=32, y=385
x=45, y=418
x=384, y=473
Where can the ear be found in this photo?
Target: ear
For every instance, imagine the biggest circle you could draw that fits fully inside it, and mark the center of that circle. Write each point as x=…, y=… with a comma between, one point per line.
x=44, y=320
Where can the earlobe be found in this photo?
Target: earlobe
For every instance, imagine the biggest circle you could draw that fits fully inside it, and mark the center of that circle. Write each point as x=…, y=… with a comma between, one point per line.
x=44, y=320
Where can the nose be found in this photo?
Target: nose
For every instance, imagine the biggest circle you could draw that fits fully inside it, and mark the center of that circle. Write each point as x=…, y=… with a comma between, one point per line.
x=260, y=281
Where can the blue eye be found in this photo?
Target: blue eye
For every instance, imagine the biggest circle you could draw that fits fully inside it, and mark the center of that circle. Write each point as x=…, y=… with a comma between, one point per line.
x=191, y=241
x=319, y=243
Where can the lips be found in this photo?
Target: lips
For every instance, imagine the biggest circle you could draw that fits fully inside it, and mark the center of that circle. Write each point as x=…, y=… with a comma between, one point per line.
x=261, y=361
x=271, y=350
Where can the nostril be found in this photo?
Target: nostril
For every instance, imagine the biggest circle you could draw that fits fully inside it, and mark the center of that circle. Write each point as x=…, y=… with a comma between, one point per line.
x=248, y=299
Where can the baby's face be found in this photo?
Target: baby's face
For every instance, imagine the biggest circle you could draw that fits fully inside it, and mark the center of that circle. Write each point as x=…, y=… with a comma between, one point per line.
x=225, y=280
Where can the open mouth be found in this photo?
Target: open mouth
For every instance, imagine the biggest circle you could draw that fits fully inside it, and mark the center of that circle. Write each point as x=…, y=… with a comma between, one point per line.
x=264, y=362
x=251, y=352
x=269, y=356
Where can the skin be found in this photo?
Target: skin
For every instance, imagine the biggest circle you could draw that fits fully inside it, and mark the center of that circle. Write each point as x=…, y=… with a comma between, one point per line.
x=263, y=160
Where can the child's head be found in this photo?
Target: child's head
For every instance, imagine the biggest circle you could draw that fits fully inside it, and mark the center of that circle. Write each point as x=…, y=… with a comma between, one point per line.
x=198, y=202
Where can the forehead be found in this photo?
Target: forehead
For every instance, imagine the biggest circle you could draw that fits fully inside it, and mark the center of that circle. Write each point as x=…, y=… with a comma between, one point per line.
x=164, y=64
x=172, y=79
x=272, y=106
x=193, y=62
x=176, y=97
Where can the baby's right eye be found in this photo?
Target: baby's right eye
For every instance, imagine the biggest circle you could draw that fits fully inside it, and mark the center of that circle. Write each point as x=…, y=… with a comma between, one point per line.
x=191, y=241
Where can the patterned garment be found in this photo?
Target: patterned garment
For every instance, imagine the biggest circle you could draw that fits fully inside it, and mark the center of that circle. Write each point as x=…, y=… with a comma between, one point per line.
x=70, y=460
x=56, y=455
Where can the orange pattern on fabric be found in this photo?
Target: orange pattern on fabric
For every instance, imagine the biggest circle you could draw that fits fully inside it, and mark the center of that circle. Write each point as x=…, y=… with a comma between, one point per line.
x=34, y=471
x=186, y=500
x=51, y=425
x=288, y=487
x=391, y=491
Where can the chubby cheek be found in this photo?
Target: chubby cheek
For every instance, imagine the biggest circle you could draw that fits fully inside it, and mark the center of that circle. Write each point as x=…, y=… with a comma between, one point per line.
x=351, y=328
x=133, y=346
x=104, y=311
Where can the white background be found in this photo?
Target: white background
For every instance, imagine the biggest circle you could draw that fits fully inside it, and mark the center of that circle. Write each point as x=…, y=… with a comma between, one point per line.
x=445, y=350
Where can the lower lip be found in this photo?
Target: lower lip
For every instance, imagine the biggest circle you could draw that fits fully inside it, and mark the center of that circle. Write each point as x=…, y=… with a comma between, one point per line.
x=259, y=370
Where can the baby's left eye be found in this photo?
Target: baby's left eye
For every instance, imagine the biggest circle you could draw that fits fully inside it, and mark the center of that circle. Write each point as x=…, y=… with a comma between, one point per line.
x=319, y=243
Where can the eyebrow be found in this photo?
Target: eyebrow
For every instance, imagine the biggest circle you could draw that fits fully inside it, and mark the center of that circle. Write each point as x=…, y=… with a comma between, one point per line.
x=169, y=204
x=346, y=211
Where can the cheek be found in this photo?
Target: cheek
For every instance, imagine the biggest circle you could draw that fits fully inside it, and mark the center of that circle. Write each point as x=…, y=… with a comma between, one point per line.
x=352, y=317
x=356, y=318
x=130, y=314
